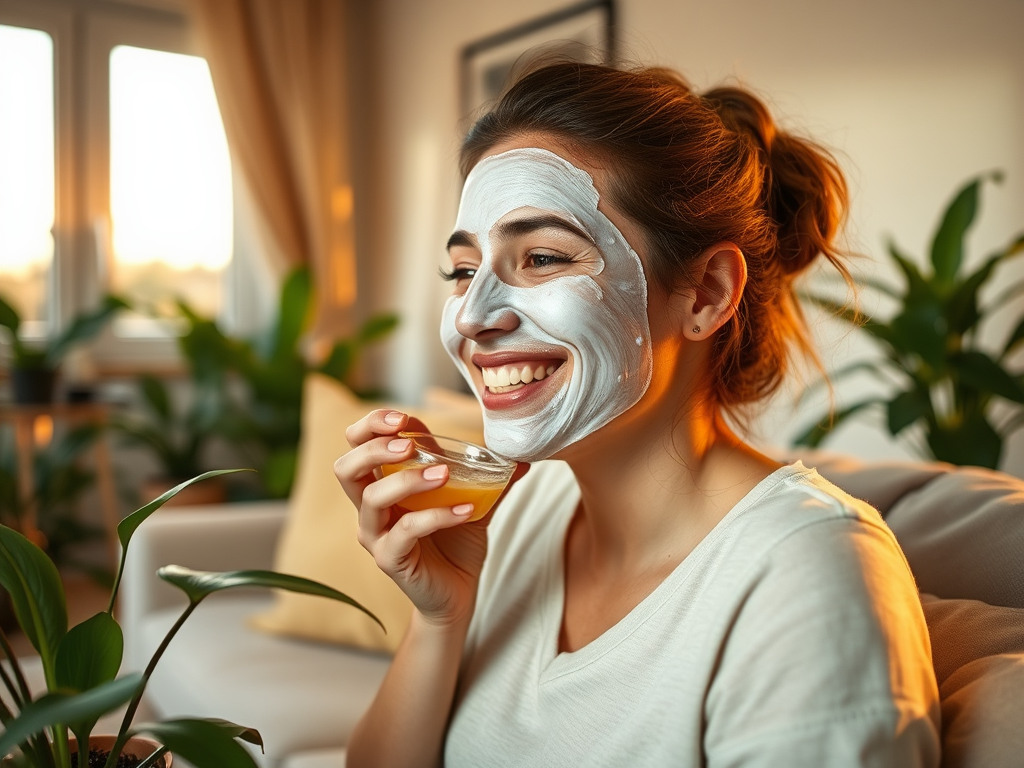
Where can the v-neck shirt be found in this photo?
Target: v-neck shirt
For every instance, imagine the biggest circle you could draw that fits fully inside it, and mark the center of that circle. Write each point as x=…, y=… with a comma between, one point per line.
x=792, y=634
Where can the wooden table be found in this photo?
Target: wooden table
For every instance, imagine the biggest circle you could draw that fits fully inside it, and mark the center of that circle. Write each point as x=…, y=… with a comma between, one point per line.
x=24, y=418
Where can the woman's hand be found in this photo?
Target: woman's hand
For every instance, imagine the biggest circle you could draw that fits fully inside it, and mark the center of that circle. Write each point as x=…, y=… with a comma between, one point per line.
x=434, y=555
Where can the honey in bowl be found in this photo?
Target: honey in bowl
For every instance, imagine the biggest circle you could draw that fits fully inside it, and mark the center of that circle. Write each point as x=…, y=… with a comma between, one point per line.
x=475, y=475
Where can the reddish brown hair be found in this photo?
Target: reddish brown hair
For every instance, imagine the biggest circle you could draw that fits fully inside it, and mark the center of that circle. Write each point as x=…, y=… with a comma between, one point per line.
x=693, y=170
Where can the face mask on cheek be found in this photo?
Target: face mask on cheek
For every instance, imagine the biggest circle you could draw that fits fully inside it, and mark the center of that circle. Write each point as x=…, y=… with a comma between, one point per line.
x=600, y=320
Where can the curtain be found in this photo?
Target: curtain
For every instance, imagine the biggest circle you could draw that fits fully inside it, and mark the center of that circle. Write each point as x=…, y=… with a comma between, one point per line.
x=278, y=69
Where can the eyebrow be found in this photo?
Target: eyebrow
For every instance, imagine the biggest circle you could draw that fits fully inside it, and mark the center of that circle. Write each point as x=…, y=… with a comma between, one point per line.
x=519, y=227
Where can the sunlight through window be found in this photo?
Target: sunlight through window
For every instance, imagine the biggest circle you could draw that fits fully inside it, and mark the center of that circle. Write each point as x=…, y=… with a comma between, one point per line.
x=26, y=170
x=170, y=180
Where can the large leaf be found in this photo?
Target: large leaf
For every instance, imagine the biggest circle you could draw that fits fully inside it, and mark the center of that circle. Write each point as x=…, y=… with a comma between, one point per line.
x=9, y=318
x=1014, y=339
x=66, y=707
x=825, y=426
x=199, y=584
x=293, y=312
x=84, y=327
x=919, y=291
x=377, y=327
x=155, y=395
x=980, y=372
x=948, y=245
x=127, y=527
x=920, y=331
x=972, y=442
x=34, y=585
x=339, y=361
x=906, y=408
x=962, y=312
x=205, y=743
x=90, y=653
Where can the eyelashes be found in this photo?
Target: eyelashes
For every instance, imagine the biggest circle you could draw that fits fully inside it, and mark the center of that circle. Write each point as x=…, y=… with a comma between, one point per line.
x=461, y=273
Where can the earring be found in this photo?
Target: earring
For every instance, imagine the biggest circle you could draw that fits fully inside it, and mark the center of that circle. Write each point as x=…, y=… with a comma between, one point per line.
x=696, y=329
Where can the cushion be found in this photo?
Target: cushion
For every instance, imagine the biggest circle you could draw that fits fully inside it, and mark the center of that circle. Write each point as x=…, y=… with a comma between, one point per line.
x=319, y=537
x=961, y=528
x=978, y=654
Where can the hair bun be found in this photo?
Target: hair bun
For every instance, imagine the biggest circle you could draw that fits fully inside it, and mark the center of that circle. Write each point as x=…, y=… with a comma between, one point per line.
x=804, y=190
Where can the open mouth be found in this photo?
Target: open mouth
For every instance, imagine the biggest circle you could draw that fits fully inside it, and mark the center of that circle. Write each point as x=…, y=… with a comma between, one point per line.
x=514, y=376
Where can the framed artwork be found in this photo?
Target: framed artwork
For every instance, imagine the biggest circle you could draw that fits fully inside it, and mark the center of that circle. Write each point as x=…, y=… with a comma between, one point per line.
x=583, y=32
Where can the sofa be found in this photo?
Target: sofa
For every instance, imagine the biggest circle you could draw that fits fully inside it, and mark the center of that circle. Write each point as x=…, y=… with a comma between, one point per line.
x=962, y=530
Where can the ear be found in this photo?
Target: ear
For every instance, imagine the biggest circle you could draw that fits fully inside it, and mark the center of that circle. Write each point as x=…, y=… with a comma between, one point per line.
x=720, y=276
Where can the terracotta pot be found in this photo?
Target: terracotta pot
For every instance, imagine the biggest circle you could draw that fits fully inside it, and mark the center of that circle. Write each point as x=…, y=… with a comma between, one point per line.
x=212, y=491
x=136, y=747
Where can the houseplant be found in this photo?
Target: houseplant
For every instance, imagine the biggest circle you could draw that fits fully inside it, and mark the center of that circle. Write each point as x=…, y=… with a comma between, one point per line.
x=81, y=664
x=941, y=377
x=265, y=426
x=34, y=366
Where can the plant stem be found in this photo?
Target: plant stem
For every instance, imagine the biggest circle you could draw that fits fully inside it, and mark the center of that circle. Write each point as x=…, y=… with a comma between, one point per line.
x=133, y=705
x=16, y=669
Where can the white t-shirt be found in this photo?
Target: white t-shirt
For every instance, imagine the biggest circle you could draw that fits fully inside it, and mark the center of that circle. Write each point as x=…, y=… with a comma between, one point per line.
x=792, y=636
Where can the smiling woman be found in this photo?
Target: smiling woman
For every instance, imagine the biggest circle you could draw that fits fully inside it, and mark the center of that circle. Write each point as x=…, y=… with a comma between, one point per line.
x=661, y=593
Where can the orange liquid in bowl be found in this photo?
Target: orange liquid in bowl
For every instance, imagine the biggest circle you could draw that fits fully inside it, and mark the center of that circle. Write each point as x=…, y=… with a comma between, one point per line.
x=455, y=491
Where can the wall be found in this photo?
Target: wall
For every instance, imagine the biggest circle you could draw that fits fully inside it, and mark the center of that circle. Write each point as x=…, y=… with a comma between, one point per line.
x=915, y=96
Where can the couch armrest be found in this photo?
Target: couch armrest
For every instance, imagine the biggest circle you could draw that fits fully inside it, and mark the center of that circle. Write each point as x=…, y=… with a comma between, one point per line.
x=222, y=537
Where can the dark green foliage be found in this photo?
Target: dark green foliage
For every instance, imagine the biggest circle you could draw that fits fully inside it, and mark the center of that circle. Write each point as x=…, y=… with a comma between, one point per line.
x=945, y=381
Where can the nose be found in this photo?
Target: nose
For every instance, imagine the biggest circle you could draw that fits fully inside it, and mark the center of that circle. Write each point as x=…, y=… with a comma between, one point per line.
x=486, y=308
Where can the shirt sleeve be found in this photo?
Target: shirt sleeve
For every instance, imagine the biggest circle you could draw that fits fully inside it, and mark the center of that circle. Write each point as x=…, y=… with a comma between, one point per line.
x=828, y=661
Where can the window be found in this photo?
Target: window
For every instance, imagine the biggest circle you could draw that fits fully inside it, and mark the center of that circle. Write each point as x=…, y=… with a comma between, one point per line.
x=170, y=181
x=26, y=173
x=115, y=176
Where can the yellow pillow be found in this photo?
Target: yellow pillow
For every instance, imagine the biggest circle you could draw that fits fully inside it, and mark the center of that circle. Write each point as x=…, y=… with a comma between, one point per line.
x=319, y=537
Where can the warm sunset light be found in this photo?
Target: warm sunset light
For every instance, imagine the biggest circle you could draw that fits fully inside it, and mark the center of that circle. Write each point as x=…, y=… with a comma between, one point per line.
x=170, y=172
x=26, y=165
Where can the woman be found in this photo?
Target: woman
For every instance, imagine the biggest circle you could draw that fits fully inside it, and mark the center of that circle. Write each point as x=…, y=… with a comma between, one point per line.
x=623, y=266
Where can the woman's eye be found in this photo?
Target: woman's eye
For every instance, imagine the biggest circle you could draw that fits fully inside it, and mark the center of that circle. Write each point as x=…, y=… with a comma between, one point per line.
x=547, y=259
x=459, y=273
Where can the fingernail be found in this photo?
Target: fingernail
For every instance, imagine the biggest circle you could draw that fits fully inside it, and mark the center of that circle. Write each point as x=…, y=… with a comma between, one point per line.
x=435, y=472
x=394, y=418
x=399, y=444
x=462, y=509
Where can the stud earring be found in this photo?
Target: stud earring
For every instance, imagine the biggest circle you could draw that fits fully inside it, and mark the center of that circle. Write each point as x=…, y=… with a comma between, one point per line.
x=696, y=329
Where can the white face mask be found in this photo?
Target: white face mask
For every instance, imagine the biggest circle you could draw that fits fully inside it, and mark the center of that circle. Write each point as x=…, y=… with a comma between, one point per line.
x=598, y=320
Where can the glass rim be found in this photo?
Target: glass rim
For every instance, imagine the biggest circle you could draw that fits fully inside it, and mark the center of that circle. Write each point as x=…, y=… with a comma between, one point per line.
x=494, y=463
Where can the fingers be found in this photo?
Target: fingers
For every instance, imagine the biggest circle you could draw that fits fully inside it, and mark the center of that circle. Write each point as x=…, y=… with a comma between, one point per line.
x=380, y=422
x=391, y=551
x=355, y=469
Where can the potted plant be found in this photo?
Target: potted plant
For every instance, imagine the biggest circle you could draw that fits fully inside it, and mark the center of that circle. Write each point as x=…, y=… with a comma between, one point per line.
x=81, y=664
x=941, y=377
x=33, y=367
x=266, y=425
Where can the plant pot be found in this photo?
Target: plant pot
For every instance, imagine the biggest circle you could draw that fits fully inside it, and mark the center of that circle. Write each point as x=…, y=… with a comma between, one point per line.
x=137, y=747
x=211, y=491
x=33, y=386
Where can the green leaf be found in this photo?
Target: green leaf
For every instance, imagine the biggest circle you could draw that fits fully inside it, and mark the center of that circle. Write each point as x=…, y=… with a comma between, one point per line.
x=919, y=290
x=293, y=311
x=920, y=331
x=90, y=653
x=339, y=361
x=84, y=327
x=155, y=394
x=34, y=585
x=906, y=408
x=980, y=372
x=127, y=527
x=279, y=472
x=825, y=426
x=962, y=306
x=972, y=442
x=377, y=327
x=154, y=759
x=948, y=245
x=9, y=318
x=66, y=707
x=1014, y=339
x=203, y=743
x=199, y=584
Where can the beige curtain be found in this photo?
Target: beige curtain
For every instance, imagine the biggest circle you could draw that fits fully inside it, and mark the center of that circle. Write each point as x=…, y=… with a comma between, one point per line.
x=278, y=68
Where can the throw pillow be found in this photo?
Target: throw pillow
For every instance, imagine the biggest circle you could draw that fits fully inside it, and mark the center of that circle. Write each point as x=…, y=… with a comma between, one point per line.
x=319, y=537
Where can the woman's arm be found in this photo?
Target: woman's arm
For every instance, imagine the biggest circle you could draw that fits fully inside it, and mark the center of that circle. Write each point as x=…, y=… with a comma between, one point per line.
x=405, y=725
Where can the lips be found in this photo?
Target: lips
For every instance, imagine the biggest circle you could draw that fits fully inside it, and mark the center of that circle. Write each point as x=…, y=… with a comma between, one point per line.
x=509, y=378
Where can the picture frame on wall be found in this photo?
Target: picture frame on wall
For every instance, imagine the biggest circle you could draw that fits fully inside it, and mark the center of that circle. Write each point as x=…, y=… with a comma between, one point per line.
x=584, y=32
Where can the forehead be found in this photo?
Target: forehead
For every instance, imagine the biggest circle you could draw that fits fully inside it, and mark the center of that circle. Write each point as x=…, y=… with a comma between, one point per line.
x=527, y=177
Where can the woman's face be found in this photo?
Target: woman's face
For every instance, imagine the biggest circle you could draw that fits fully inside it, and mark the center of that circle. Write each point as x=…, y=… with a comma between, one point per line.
x=548, y=321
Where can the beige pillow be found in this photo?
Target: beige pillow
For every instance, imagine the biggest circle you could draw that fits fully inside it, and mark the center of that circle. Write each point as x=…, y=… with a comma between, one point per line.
x=319, y=537
x=978, y=654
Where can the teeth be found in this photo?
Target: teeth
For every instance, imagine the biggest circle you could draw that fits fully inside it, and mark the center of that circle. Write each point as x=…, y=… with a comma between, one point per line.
x=506, y=378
